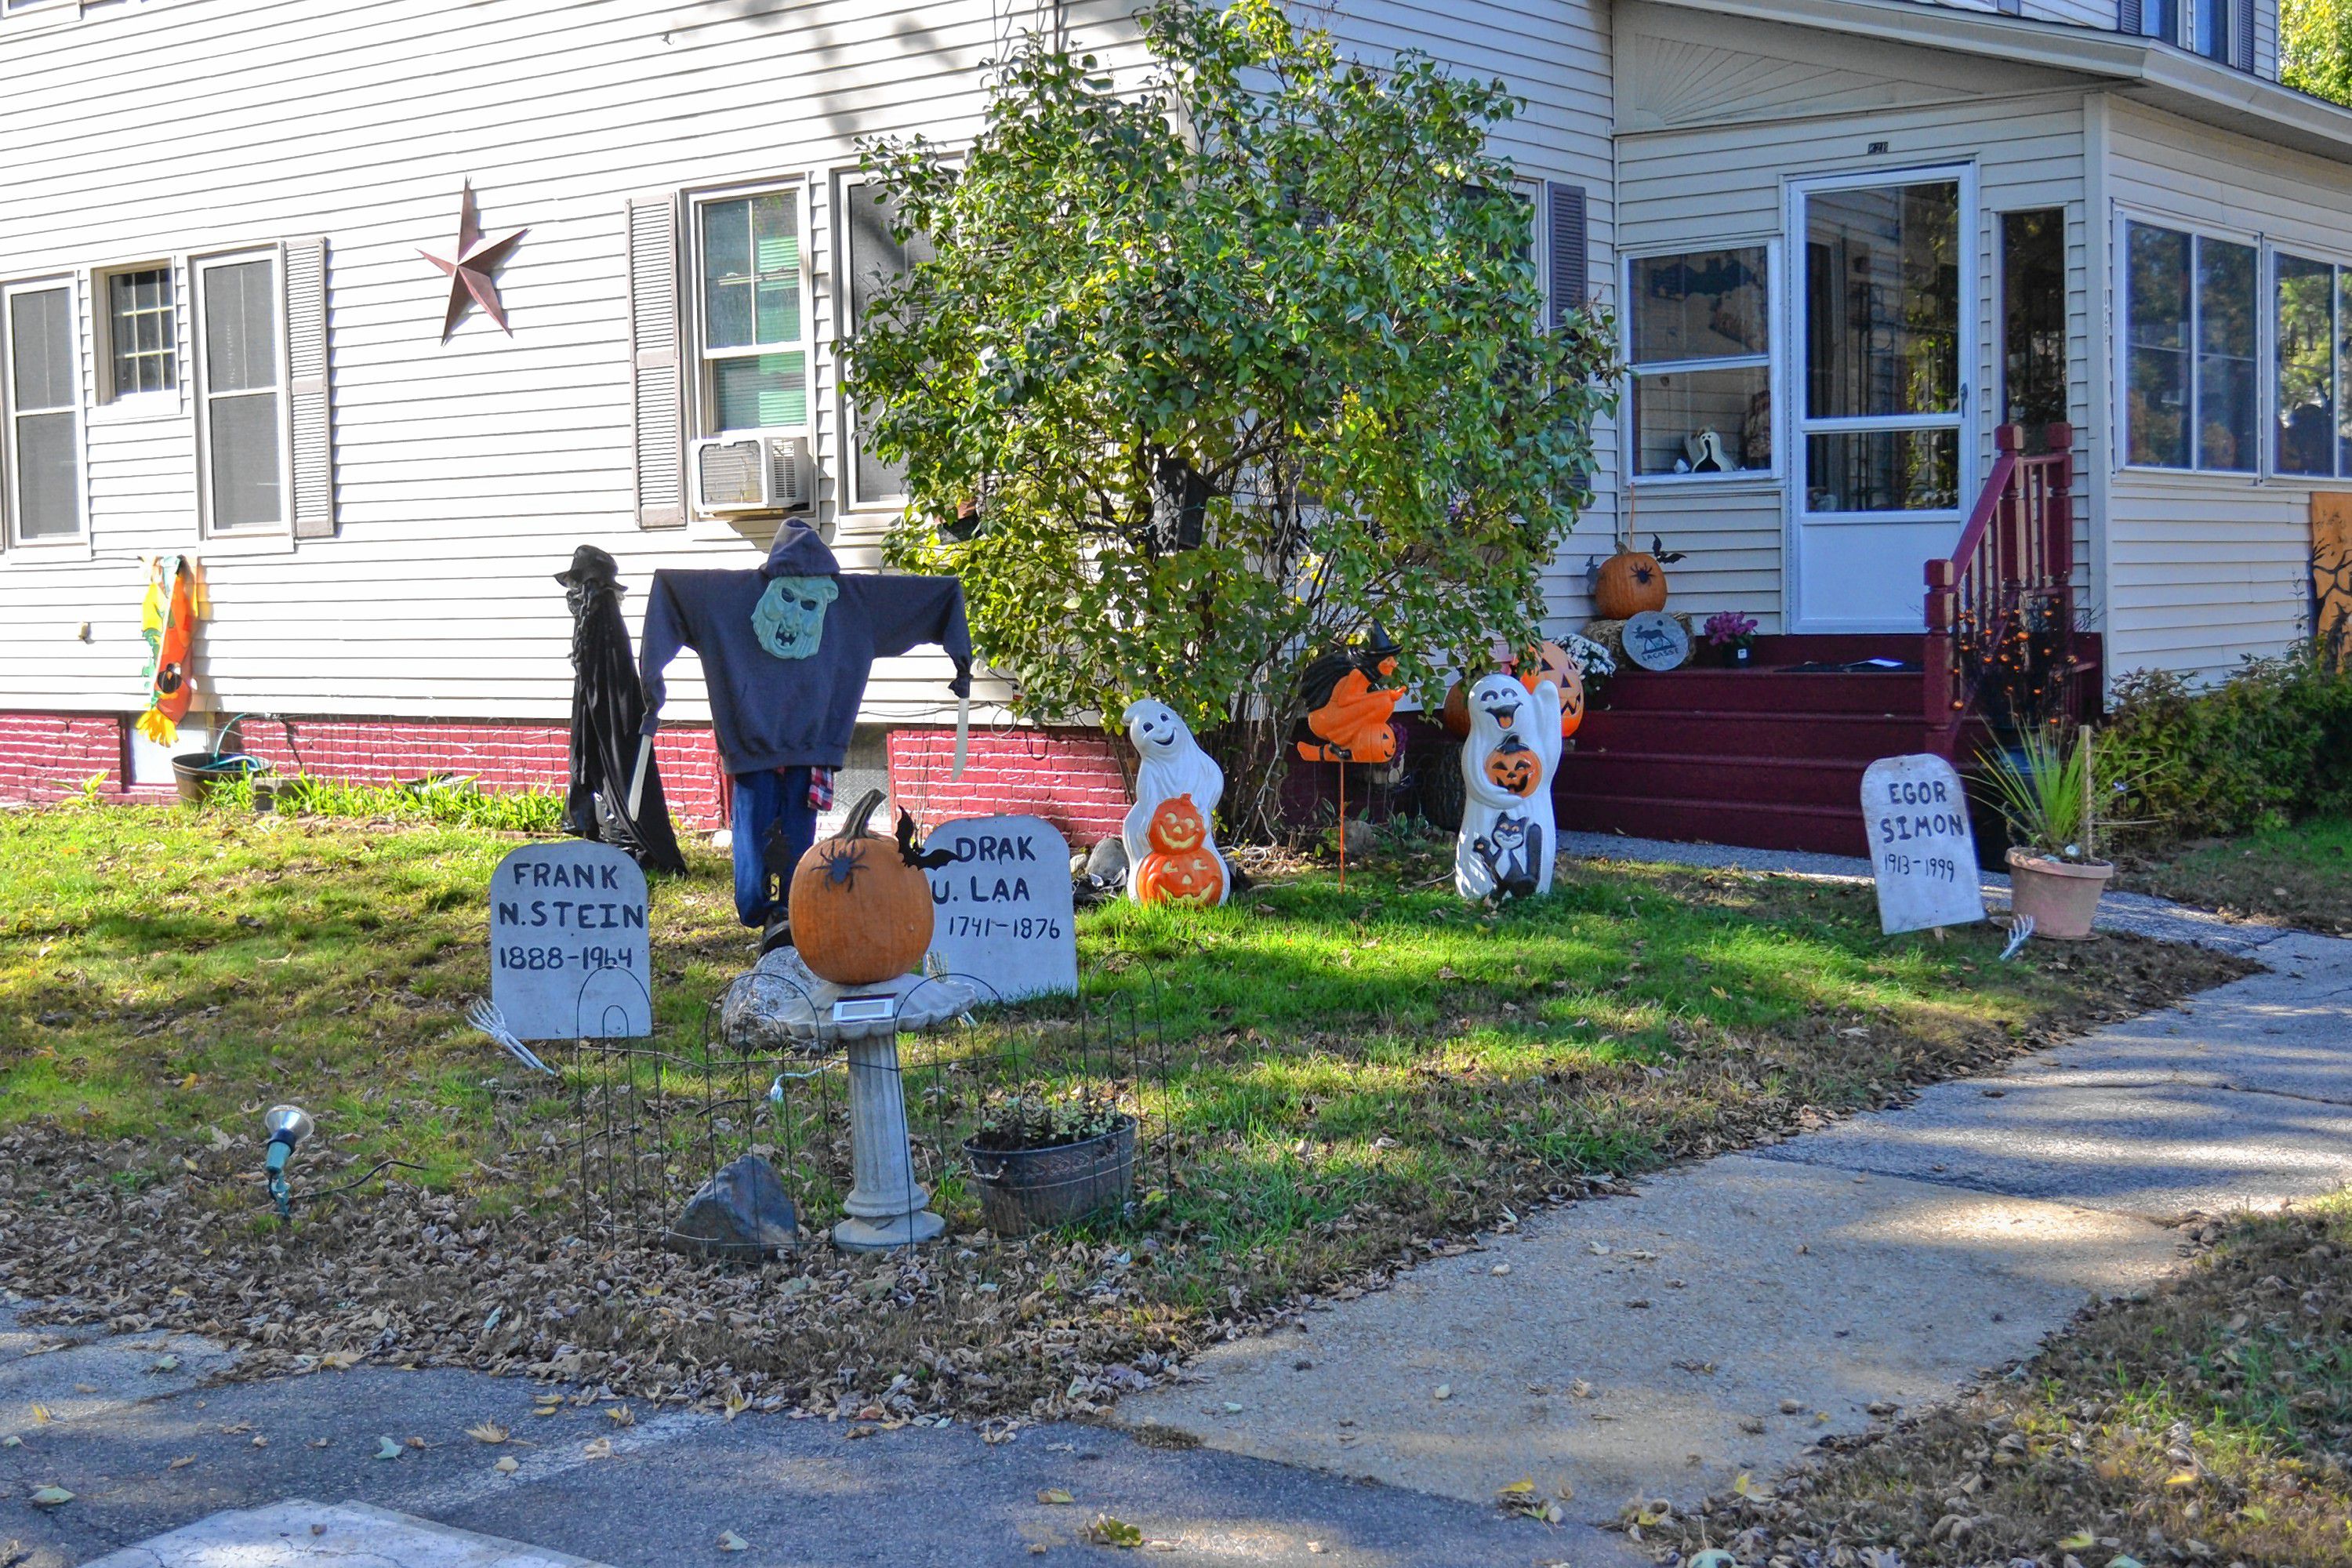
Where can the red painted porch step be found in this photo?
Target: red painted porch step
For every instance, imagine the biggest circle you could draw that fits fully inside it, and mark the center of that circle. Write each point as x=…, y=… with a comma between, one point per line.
x=1770, y=759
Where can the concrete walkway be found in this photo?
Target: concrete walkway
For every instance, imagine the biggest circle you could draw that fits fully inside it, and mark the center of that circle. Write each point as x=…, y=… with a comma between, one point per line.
x=1720, y=1321
x=1739, y=1309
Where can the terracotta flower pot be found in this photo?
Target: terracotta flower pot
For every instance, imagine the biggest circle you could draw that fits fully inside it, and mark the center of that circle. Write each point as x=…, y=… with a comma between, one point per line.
x=2061, y=895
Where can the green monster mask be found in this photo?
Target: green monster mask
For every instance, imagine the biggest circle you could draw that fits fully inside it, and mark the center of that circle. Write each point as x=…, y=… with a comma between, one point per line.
x=790, y=616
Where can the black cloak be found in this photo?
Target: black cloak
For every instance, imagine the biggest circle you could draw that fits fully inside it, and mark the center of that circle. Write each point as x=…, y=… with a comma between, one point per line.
x=608, y=709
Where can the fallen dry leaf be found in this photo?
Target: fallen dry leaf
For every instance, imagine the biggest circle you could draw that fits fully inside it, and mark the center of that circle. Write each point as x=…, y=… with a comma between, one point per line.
x=506, y=1465
x=488, y=1432
x=597, y=1448
x=385, y=1449
x=1054, y=1497
x=181, y=1463
x=51, y=1497
x=1108, y=1531
x=730, y=1541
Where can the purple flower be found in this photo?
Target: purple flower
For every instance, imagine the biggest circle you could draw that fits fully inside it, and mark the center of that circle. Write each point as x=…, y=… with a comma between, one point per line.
x=1729, y=629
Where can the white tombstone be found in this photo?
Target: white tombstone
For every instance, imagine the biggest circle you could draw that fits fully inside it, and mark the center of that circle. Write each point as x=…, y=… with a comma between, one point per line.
x=1002, y=915
x=570, y=953
x=1923, y=853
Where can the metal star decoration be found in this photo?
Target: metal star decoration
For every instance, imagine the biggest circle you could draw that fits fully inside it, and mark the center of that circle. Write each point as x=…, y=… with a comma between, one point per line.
x=473, y=267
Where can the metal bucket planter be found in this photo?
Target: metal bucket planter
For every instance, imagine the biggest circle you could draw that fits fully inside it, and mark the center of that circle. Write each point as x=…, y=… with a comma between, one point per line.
x=198, y=773
x=1022, y=1190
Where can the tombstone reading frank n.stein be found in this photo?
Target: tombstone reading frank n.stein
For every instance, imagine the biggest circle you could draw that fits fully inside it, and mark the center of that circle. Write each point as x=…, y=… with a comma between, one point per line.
x=1001, y=912
x=571, y=957
x=1923, y=853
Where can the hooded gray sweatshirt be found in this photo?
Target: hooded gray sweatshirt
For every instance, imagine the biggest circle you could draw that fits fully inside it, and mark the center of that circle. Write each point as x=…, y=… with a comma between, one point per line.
x=786, y=648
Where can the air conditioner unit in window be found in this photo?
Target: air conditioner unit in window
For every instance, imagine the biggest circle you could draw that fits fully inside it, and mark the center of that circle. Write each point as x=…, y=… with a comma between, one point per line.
x=741, y=474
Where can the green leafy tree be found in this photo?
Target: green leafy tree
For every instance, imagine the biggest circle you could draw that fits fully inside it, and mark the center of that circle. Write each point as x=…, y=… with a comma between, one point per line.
x=2316, y=48
x=1205, y=376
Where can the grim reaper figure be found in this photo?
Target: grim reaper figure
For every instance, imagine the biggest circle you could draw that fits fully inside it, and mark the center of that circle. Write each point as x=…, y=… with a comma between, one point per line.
x=608, y=711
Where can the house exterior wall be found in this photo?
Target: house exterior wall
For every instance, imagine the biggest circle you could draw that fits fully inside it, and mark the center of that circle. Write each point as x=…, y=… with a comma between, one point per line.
x=1719, y=115
x=465, y=473
x=2206, y=568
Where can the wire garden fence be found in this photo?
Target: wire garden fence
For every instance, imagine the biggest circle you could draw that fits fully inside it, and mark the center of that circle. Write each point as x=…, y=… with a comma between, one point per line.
x=1016, y=1119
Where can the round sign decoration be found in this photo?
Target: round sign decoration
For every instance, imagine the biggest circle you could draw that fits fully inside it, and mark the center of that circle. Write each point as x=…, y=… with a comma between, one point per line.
x=1655, y=641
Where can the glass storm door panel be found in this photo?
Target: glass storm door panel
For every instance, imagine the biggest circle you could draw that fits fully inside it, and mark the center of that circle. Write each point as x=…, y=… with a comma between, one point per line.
x=1882, y=406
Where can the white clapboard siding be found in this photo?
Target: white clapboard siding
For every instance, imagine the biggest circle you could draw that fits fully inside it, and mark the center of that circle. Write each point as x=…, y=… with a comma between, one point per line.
x=1728, y=111
x=2206, y=569
x=460, y=476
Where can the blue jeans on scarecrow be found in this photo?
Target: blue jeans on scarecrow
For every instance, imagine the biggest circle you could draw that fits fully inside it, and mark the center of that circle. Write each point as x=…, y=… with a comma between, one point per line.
x=772, y=799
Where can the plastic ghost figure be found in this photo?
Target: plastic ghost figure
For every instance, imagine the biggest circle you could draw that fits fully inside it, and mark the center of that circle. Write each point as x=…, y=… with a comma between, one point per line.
x=790, y=616
x=1507, y=839
x=1172, y=766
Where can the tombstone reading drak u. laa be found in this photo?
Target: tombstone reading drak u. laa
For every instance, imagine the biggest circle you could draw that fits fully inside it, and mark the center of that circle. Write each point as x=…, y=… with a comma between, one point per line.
x=1923, y=853
x=571, y=956
x=1002, y=908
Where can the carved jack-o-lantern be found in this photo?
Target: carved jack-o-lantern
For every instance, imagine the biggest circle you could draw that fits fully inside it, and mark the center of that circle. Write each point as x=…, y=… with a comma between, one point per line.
x=861, y=912
x=1512, y=766
x=1181, y=869
x=1550, y=662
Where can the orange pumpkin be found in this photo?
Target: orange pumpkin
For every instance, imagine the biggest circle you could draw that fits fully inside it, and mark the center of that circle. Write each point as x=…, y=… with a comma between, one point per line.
x=1631, y=581
x=861, y=913
x=1455, y=714
x=1552, y=663
x=1513, y=767
x=1181, y=868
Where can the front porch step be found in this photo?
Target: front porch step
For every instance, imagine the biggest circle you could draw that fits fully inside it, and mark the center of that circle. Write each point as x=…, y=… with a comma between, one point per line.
x=1890, y=694
x=1684, y=775
x=1821, y=829
x=1730, y=734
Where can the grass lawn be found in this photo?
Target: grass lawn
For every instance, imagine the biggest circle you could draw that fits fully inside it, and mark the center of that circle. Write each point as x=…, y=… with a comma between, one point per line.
x=2210, y=1422
x=1357, y=1079
x=2299, y=876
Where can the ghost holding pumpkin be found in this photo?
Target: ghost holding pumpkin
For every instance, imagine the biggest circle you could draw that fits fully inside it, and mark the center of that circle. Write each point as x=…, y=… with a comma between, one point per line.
x=1166, y=834
x=1507, y=839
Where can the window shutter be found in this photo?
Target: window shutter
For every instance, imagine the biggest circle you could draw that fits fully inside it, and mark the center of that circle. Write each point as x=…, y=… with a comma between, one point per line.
x=654, y=361
x=2127, y=17
x=2243, y=56
x=1567, y=263
x=307, y=392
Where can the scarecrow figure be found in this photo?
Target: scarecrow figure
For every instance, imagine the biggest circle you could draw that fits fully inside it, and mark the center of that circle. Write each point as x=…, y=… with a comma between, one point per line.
x=785, y=650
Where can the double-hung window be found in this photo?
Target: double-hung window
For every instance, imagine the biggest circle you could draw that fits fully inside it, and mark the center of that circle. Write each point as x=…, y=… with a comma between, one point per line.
x=1700, y=361
x=240, y=377
x=876, y=258
x=2311, y=304
x=2190, y=386
x=142, y=347
x=755, y=309
x=2220, y=30
x=40, y=377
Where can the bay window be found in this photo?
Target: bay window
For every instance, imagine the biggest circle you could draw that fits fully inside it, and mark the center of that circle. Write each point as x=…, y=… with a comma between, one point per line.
x=1699, y=358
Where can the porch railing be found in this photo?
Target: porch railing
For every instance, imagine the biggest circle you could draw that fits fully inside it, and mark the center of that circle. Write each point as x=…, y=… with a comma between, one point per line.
x=2001, y=611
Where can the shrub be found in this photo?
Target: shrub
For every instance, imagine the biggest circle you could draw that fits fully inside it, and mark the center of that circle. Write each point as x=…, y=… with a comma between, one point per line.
x=2271, y=743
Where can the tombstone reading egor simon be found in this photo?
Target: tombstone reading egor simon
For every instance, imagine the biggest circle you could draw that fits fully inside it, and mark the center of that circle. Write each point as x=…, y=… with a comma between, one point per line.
x=1923, y=853
x=1003, y=907
x=571, y=957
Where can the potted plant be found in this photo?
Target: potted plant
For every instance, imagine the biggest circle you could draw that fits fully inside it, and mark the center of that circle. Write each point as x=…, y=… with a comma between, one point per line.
x=2048, y=789
x=1733, y=637
x=1040, y=1162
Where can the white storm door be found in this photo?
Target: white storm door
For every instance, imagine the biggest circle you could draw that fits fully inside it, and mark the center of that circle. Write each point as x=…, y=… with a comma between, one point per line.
x=1882, y=348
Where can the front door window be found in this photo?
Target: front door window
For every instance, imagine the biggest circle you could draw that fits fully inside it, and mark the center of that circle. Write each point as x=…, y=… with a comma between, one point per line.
x=1882, y=419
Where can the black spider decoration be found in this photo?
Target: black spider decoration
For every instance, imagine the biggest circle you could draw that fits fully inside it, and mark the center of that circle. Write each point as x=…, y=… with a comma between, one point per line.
x=843, y=859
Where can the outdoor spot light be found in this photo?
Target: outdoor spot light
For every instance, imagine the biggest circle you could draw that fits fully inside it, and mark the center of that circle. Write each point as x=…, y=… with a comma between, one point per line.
x=287, y=1126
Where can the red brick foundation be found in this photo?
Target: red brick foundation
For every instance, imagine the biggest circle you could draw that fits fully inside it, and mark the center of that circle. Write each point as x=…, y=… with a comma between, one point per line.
x=46, y=756
x=50, y=756
x=1073, y=778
